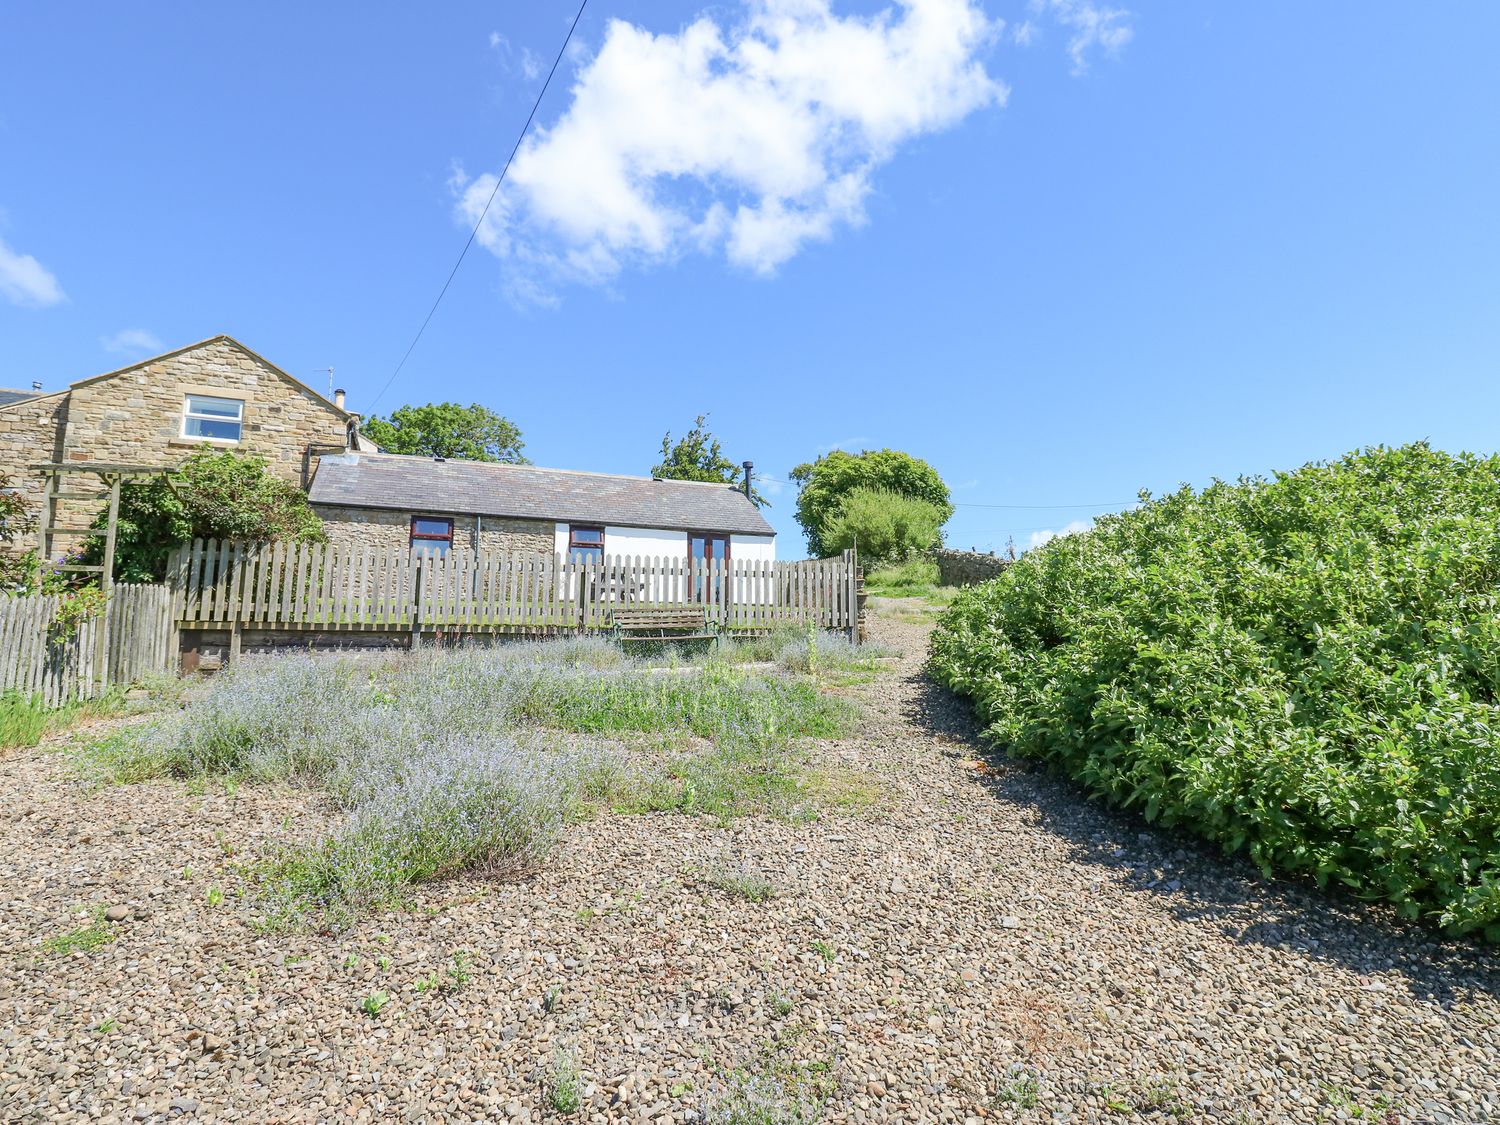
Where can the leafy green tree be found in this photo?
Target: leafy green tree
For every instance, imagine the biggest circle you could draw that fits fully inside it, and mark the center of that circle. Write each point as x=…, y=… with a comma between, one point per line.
x=698, y=456
x=446, y=429
x=824, y=485
x=212, y=495
x=886, y=527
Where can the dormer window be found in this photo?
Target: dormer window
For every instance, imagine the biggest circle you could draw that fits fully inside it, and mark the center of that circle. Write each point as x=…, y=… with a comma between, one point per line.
x=205, y=418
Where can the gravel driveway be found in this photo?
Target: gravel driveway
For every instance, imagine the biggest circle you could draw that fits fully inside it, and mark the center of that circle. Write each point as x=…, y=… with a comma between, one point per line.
x=979, y=944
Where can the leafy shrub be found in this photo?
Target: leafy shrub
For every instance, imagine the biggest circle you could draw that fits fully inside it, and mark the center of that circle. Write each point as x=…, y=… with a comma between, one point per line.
x=824, y=485
x=212, y=495
x=885, y=526
x=1304, y=668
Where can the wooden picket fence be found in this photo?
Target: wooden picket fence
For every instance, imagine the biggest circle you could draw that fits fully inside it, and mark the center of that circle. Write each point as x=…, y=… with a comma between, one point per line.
x=36, y=659
x=289, y=585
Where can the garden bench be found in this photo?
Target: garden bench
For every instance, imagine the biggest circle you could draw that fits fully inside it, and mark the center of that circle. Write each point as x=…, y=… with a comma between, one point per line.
x=674, y=623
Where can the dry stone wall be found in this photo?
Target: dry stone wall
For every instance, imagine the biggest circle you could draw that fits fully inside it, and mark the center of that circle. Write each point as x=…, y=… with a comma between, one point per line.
x=967, y=568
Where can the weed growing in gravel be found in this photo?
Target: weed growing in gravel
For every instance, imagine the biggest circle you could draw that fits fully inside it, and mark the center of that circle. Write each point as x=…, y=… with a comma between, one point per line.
x=448, y=979
x=1381, y=1110
x=1018, y=1086
x=825, y=951
x=83, y=939
x=564, y=1092
x=373, y=1004
x=744, y=882
x=774, y=1088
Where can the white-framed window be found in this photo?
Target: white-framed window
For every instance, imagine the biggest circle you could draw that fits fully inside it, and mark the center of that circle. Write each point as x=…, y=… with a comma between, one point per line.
x=207, y=418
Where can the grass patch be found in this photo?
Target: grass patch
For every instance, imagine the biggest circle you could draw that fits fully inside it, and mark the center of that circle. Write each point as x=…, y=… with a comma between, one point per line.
x=25, y=720
x=918, y=578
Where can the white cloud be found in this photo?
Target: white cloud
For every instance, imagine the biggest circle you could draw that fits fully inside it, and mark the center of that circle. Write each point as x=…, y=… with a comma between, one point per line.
x=531, y=65
x=25, y=281
x=498, y=41
x=1091, y=26
x=1023, y=33
x=131, y=340
x=749, y=140
x=1040, y=537
x=770, y=486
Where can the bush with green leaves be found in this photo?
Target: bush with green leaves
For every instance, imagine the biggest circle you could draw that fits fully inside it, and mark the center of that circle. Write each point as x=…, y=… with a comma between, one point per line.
x=1304, y=669
x=212, y=495
x=885, y=527
x=825, y=484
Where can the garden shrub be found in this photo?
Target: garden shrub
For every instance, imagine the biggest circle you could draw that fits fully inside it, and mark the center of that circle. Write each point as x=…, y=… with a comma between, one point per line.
x=1303, y=668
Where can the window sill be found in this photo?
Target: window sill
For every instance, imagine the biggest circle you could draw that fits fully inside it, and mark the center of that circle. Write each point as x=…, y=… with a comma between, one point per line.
x=188, y=441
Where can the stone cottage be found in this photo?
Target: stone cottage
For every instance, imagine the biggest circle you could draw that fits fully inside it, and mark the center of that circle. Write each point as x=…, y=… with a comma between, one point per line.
x=221, y=394
x=435, y=506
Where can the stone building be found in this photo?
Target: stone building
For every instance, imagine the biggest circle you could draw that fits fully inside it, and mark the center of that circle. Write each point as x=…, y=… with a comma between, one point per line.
x=217, y=393
x=434, y=506
x=221, y=394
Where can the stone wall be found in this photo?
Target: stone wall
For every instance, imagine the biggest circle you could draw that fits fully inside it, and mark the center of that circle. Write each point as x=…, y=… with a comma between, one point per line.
x=30, y=433
x=135, y=416
x=381, y=527
x=967, y=568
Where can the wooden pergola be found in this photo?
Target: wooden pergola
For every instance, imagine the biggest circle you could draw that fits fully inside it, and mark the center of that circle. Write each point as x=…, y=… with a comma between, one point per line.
x=110, y=476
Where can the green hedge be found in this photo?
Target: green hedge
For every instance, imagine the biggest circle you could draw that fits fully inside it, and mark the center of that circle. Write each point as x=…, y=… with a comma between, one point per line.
x=1302, y=668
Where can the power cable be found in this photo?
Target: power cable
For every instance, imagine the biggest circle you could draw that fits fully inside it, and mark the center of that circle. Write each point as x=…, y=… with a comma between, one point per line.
x=480, y=222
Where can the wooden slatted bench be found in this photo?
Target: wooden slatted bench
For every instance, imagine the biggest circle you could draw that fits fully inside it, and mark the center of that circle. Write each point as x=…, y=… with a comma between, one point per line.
x=671, y=623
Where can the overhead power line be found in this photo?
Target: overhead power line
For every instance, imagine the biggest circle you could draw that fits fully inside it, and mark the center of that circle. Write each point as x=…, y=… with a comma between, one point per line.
x=494, y=191
x=1016, y=507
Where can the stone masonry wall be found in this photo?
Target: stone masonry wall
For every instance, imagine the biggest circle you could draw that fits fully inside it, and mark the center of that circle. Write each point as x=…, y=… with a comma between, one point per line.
x=967, y=568
x=136, y=416
x=380, y=527
x=30, y=433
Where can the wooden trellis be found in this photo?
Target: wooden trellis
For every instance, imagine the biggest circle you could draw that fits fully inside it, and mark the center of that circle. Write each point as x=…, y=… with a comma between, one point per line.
x=110, y=477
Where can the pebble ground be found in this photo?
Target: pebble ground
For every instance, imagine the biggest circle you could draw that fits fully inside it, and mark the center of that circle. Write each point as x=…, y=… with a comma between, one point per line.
x=980, y=944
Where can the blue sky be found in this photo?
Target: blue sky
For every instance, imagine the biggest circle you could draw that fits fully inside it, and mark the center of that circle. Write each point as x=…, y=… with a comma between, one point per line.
x=1090, y=249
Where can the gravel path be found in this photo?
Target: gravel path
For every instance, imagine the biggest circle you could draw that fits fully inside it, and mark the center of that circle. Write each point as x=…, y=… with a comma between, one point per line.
x=981, y=944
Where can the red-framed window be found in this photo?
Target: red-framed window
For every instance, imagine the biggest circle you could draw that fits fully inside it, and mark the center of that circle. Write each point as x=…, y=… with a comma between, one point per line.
x=431, y=536
x=585, y=543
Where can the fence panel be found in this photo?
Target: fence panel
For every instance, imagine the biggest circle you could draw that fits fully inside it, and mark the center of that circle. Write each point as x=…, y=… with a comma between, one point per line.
x=40, y=657
x=218, y=584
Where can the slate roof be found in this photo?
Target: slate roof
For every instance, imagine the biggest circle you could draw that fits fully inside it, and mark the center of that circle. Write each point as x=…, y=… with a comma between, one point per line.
x=8, y=396
x=420, y=484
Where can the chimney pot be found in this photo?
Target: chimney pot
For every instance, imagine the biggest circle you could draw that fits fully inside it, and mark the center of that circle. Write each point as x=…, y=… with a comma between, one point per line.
x=338, y=398
x=748, y=466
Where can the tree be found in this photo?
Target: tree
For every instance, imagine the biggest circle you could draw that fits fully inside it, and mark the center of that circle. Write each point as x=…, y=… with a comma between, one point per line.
x=824, y=484
x=446, y=429
x=212, y=495
x=887, y=527
x=698, y=456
